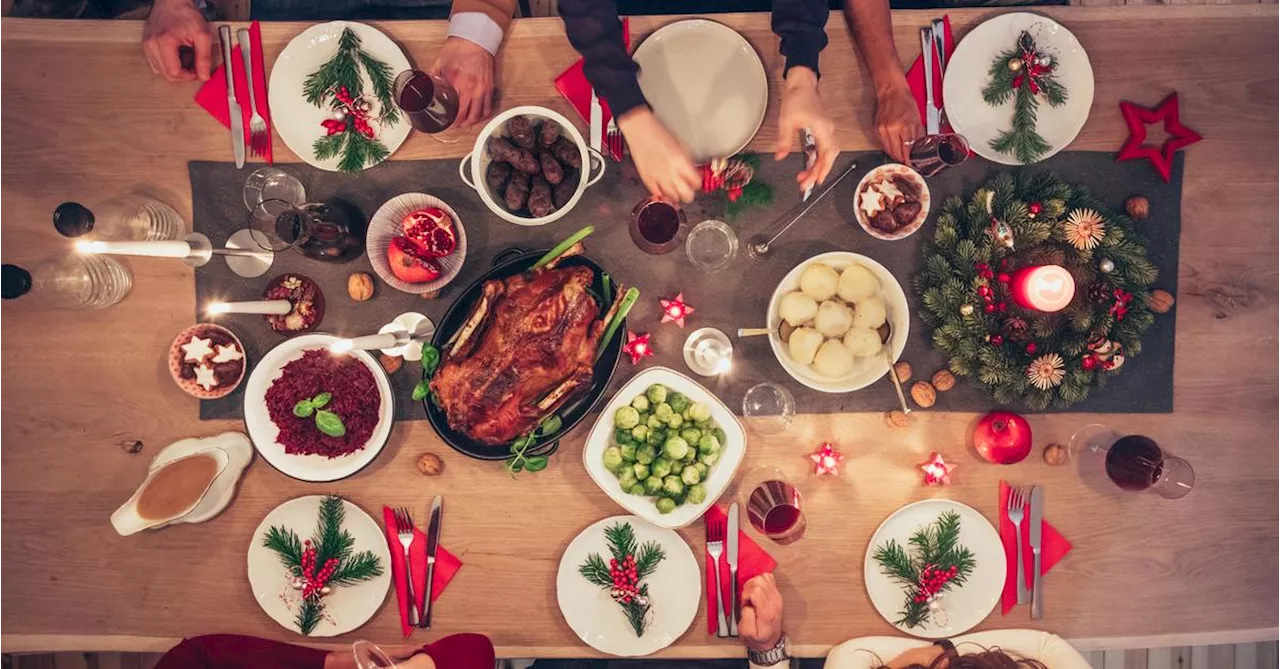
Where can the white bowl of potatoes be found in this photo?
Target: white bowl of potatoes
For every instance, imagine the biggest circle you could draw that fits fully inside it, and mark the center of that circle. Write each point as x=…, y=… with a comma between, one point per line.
x=833, y=317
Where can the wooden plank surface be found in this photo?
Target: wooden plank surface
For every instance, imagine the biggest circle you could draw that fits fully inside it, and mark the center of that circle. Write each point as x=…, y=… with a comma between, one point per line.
x=85, y=119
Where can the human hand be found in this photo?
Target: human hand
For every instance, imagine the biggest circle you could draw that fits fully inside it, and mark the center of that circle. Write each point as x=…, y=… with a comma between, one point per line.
x=662, y=161
x=802, y=108
x=760, y=624
x=174, y=24
x=897, y=120
x=468, y=67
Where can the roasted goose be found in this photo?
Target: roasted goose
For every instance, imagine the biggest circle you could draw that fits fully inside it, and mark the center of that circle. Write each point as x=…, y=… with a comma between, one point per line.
x=527, y=348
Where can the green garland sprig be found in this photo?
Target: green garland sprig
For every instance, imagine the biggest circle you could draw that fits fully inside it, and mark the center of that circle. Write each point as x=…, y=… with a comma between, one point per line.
x=622, y=543
x=951, y=281
x=342, y=73
x=934, y=547
x=1023, y=73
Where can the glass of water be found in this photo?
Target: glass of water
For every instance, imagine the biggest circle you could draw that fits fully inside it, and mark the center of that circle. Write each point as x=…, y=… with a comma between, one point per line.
x=769, y=406
x=272, y=183
x=711, y=245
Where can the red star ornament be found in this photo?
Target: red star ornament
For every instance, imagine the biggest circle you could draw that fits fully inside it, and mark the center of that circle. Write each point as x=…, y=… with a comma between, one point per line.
x=675, y=310
x=826, y=460
x=1137, y=117
x=937, y=471
x=637, y=347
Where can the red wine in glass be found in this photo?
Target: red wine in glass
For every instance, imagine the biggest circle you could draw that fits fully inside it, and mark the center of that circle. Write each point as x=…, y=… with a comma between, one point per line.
x=430, y=102
x=1134, y=462
x=933, y=153
x=655, y=226
x=775, y=509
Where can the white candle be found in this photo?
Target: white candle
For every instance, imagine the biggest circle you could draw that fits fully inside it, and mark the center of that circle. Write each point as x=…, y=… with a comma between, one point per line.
x=265, y=307
x=366, y=343
x=154, y=249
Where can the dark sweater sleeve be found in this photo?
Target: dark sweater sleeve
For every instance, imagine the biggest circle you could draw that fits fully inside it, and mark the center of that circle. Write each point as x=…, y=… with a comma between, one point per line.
x=596, y=32
x=802, y=26
x=227, y=651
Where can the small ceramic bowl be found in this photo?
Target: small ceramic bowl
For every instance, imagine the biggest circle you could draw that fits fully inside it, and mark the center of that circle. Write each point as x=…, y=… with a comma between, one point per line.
x=386, y=224
x=885, y=172
x=186, y=379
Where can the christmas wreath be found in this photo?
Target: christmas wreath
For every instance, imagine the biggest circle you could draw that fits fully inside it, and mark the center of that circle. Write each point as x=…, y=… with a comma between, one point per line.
x=1023, y=355
x=932, y=562
x=339, y=86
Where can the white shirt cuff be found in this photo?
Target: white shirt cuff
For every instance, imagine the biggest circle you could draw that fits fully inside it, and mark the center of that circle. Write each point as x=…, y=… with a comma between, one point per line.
x=476, y=27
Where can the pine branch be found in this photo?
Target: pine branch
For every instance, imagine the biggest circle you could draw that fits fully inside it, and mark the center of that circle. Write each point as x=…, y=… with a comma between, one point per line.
x=381, y=78
x=1022, y=141
x=622, y=540
x=361, y=152
x=596, y=571
x=636, y=612
x=341, y=71
x=328, y=146
x=310, y=613
x=651, y=554
x=287, y=546
x=357, y=568
x=330, y=540
x=999, y=89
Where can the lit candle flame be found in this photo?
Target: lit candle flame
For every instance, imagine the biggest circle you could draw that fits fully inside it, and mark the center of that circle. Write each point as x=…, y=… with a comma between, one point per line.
x=216, y=308
x=90, y=247
x=341, y=346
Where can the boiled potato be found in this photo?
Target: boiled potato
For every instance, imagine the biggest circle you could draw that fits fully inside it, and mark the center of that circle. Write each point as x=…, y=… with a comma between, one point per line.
x=833, y=319
x=857, y=283
x=833, y=359
x=869, y=313
x=862, y=342
x=797, y=308
x=804, y=345
x=819, y=281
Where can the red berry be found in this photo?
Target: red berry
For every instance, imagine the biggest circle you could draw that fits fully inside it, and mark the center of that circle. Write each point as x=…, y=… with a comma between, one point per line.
x=1002, y=307
x=1003, y=278
x=1031, y=347
x=996, y=340
x=989, y=308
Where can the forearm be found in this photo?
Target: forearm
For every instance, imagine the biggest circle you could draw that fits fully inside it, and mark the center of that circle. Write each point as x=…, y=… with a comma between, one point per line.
x=595, y=31
x=801, y=25
x=871, y=26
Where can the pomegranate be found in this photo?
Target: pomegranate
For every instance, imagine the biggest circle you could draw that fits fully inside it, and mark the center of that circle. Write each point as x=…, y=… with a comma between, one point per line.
x=409, y=263
x=1002, y=437
x=431, y=229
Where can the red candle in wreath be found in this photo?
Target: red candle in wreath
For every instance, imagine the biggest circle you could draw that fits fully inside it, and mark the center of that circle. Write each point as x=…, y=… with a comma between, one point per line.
x=1045, y=288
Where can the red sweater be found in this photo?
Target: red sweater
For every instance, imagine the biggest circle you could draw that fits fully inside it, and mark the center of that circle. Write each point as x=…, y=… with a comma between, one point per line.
x=229, y=651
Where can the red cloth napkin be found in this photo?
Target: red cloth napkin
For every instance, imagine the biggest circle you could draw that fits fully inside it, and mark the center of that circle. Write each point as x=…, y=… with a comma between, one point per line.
x=915, y=76
x=573, y=85
x=446, y=566
x=752, y=561
x=1053, y=547
x=213, y=94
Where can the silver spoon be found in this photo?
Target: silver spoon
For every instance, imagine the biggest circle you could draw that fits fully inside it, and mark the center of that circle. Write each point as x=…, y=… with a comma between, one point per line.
x=893, y=373
x=758, y=246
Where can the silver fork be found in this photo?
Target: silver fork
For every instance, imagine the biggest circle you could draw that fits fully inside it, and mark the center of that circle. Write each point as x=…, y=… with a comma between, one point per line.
x=404, y=530
x=715, y=548
x=1017, y=506
x=258, y=136
x=613, y=140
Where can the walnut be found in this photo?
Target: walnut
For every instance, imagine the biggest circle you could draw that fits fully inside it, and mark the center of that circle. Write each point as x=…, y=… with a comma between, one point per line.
x=390, y=363
x=360, y=286
x=897, y=418
x=431, y=294
x=903, y=371
x=1055, y=454
x=430, y=464
x=1161, y=301
x=1138, y=207
x=944, y=380
x=924, y=394
x=131, y=446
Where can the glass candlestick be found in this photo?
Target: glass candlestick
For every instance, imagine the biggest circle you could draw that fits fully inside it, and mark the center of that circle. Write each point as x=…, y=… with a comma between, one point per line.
x=708, y=352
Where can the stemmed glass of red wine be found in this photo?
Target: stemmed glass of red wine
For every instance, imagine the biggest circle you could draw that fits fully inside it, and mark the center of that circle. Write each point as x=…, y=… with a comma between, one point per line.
x=774, y=505
x=1133, y=462
x=428, y=100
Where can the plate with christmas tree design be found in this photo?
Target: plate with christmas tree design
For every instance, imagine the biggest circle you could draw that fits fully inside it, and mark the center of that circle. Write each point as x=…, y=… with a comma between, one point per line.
x=918, y=544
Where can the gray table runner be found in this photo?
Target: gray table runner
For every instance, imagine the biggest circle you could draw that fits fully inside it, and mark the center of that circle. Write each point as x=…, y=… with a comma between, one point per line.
x=736, y=297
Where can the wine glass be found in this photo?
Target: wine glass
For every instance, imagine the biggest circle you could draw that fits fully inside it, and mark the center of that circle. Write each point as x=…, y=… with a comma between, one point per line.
x=429, y=101
x=769, y=407
x=272, y=183
x=331, y=231
x=933, y=153
x=774, y=505
x=369, y=656
x=655, y=225
x=1138, y=463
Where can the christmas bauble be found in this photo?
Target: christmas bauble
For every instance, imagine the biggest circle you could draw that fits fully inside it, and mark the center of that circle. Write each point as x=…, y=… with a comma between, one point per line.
x=966, y=310
x=1002, y=437
x=1107, y=266
x=1043, y=60
x=1015, y=64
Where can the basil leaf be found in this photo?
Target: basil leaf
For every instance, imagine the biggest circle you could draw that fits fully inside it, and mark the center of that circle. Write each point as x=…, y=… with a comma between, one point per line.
x=536, y=463
x=421, y=390
x=321, y=400
x=549, y=424
x=430, y=358
x=329, y=423
x=304, y=409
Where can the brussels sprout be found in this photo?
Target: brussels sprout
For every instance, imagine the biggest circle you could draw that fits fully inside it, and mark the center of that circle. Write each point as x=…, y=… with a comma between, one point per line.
x=691, y=456
x=665, y=505
x=702, y=469
x=720, y=435
x=652, y=485
x=623, y=436
x=691, y=435
x=700, y=411
x=679, y=499
x=677, y=466
x=696, y=495
x=672, y=485
x=626, y=417
x=708, y=444
x=640, y=433
x=641, y=471
x=657, y=438
x=663, y=412
x=675, y=448
x=645, y=455
x=656, y=393
x=640, y=403
x=690, y=476
x=678, y=402
x=654, y=422
x=675, y=421
x=703, y=424
x=660, y=467
x=627, y=478
x=613, y=458
x=637, y=489
x=709, y=459
x=628, y=452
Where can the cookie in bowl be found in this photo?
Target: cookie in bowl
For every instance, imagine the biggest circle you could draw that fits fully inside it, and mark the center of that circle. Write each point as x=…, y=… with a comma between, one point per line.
x=207, y=361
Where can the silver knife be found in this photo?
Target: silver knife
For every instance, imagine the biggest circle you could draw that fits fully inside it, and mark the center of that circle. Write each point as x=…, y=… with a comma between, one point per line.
x=433, y=542
x=597, y=122
x=733, y=569
x=932, y=120
x=1037, y=516
x=940, y=48
x=235, y=118
x=809, y=146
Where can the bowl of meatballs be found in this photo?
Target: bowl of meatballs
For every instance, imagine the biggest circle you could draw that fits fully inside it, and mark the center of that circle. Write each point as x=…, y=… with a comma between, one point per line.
x=530, y=166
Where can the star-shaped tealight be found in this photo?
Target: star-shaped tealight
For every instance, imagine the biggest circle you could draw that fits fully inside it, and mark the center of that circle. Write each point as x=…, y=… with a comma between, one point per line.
x=197, y=349
x=937, y=471
x=675, y=310
x=637, y=347
x=826, y=460
x=205, y=378
x=1137, y=117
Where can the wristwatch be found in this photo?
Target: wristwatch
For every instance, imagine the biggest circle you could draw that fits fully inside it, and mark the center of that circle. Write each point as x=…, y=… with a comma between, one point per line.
x=772, y=656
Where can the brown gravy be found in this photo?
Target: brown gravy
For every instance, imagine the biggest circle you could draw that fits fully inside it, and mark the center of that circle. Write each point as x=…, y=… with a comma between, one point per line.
x=177, y=487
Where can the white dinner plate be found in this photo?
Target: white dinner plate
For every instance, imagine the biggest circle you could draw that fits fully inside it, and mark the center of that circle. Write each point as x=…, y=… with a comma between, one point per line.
x=675, y=590
x=706, y=84
x=963, y=607
x=346, y=607
x=263, y=432
x=298, y=121
x=967, y=74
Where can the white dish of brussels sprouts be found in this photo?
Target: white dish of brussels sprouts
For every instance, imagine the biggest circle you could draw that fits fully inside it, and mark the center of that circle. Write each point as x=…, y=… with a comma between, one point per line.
x=664, y=448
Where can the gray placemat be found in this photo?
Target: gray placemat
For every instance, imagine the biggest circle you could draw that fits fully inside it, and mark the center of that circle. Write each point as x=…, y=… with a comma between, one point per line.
x=736, y=297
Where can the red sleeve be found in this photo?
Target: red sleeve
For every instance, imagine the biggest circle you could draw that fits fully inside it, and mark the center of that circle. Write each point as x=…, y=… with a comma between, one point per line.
x=229, y=651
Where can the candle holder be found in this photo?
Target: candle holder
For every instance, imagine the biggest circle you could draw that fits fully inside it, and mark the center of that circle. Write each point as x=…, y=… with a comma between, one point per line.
x=412, y=329
x=708, y=352
x=250, y=259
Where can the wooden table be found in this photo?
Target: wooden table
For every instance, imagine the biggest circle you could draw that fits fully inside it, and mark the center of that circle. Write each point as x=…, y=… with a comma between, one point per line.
x=86, y=119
